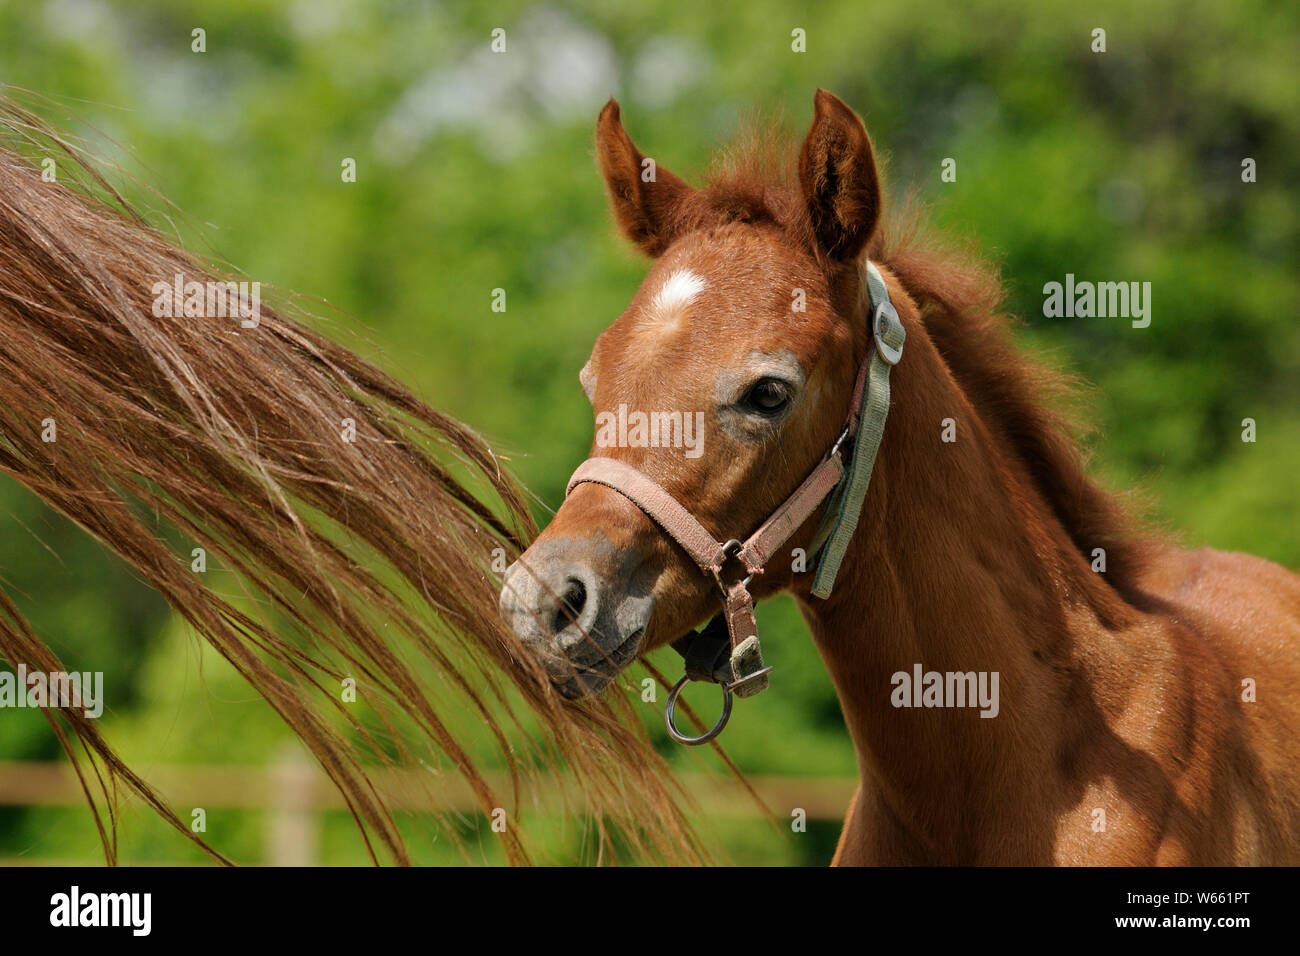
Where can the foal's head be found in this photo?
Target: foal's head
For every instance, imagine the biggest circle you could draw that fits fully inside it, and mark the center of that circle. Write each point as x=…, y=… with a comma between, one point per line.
x=725, y=380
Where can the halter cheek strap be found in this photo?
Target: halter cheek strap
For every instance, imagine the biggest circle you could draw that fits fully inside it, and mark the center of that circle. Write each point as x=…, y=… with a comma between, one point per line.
x=727, y=650
x=868, y=410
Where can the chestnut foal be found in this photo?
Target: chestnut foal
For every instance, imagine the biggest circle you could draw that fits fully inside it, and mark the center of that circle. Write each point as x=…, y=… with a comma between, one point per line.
x=1145, y=705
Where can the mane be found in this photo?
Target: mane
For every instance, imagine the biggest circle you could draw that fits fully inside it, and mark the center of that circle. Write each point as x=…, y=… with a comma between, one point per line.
x=1033, y=408
x=370, y=560
x=755, y=180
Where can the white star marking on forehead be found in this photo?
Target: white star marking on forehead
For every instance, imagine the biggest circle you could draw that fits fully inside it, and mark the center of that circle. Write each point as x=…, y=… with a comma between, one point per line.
x=679, y=289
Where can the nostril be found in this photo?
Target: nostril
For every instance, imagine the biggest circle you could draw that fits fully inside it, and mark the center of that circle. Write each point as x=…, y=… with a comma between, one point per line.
x=572, y=601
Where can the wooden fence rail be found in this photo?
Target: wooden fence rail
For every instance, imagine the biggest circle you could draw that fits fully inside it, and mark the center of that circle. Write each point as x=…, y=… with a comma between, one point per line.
x=294, y=791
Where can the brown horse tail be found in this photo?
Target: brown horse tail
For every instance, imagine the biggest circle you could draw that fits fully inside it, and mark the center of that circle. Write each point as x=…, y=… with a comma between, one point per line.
x=362, y=526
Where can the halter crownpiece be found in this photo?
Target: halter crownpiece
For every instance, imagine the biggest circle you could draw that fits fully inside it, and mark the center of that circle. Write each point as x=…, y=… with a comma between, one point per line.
x=727, y=651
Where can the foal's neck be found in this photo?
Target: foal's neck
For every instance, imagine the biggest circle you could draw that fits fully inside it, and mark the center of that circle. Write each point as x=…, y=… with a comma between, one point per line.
x=958, y=566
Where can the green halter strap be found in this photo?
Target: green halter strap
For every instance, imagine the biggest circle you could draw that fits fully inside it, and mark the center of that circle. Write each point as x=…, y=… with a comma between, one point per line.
x=841, y=516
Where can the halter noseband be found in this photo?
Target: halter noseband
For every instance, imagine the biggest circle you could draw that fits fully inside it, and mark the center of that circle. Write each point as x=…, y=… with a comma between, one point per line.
x=727, y=651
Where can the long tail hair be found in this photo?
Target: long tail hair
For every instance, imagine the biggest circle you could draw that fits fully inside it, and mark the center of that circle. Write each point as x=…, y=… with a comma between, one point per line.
x=370, y=559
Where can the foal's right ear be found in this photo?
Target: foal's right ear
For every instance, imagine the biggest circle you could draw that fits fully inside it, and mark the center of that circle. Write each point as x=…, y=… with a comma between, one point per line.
x=646, y=198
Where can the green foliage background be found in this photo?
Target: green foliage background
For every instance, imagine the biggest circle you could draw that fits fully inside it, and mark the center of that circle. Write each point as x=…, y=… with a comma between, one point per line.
x=475, y=172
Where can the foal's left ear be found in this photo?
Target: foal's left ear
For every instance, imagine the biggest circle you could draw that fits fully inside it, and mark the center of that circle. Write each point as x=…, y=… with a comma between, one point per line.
x=646, y=198
x=838, y=173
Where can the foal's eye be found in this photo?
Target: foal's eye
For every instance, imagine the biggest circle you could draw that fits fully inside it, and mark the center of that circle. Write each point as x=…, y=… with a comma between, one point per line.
x=767, y=397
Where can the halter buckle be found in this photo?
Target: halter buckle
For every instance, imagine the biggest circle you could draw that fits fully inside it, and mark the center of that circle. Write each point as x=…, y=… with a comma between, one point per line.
x=729, y=550
x=840, y=441
x=883, y=323
x=732, y=685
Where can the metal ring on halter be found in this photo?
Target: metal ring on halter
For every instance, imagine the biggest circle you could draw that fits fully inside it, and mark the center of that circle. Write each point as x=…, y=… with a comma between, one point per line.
x=728, y=552
x=708, y=735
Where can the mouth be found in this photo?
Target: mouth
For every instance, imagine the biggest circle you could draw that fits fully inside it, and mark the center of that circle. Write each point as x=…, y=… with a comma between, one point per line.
x=577, y=678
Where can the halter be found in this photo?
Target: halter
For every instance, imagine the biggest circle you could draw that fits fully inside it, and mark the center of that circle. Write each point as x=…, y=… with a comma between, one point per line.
x=727, y=651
